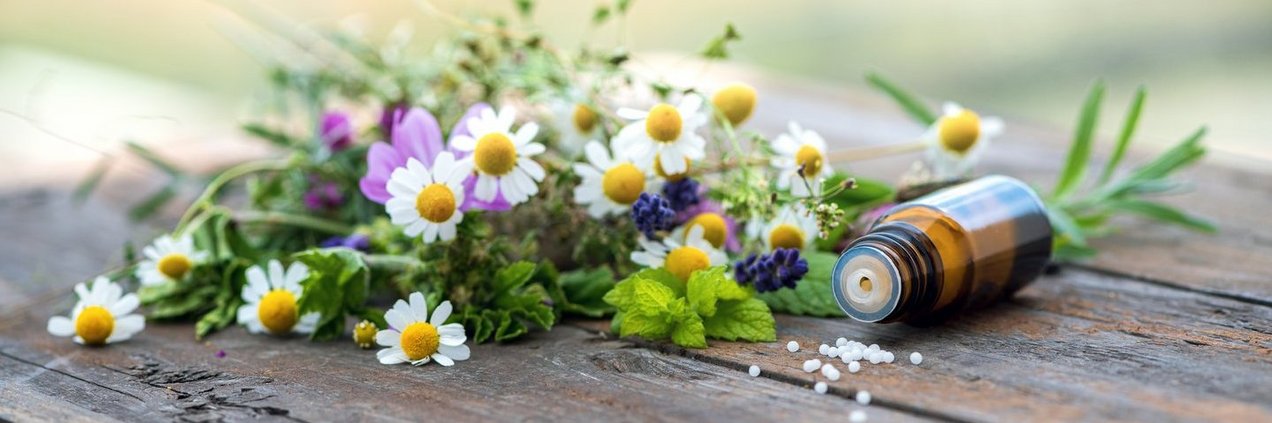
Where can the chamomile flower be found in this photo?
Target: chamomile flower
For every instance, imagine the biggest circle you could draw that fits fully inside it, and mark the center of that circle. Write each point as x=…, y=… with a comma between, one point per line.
x=577, y=123
x=610, y=184
x=801, y=155
x=414, y=337
x=168, y=260
x=717, y=228
x=735, y=101
x=793, y=227
x=664, y=133
x=680, y=258
x=956, y=140
x=427, y=202
x=502, y=157
x=101, y=316
x=272, y=300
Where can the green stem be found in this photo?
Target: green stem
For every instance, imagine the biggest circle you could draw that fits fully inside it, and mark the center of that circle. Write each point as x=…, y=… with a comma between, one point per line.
x=205, y=199
x=391, y=262
x=297, y=220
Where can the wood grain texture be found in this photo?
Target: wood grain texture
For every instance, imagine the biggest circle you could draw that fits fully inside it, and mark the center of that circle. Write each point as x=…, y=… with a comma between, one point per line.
x=1078, y=346
x=565, y=375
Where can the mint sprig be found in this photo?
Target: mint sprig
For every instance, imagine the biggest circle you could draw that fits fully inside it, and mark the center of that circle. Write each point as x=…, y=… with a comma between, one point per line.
x=655, y=305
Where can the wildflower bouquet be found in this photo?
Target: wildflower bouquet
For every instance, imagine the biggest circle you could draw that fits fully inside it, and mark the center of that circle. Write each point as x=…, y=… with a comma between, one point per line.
x=503, y=182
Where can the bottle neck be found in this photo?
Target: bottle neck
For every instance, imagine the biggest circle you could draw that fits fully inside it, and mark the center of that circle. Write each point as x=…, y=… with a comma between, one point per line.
x=888, y=274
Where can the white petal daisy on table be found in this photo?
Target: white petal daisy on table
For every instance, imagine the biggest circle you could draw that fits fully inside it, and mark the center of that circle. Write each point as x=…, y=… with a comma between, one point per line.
x=801, y=155
x=101, y=316
x=681, y=259
x=610, y=184
x=793, y=227
x=665, y=133
x=501, y=157
x=577, y=122
x=427, y=202
x=957, y=139
x=168, y=259
x=272, y=300
x=413, y=337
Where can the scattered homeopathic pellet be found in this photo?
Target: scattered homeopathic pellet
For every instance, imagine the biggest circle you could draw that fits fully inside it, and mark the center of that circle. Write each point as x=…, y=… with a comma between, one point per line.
x=812, y=365
x=823, y=349
x=830, y=372
x=863, y=397
x=841, y=342
x=792, y=346
x=916, y=358
x=857, y=416
x=854, y=366
x=754, y=370
x=820, y=387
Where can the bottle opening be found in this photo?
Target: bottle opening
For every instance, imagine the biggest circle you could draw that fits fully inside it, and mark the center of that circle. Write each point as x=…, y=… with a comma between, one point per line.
x=866, y=284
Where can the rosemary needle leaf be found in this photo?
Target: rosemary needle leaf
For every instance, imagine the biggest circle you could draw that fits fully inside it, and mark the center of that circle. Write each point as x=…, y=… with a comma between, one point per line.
x=1075, y=164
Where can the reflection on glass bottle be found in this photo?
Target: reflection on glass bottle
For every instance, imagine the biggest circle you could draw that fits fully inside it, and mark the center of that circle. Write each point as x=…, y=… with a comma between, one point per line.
x=958, y=248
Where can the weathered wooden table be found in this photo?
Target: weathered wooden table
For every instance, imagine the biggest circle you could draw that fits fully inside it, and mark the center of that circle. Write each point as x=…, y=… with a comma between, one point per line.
x=1164, y=325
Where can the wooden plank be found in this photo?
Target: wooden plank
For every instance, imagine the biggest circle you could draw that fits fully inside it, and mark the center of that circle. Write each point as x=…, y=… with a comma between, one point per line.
x=1074, y=346
x=567, y=374
x=1236, y=262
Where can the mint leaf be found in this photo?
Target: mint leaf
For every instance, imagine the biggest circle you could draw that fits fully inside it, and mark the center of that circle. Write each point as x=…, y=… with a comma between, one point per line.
x=514, y=275
x=337, y=285
x=748, y=320
x=584, y=291
x=701, y=290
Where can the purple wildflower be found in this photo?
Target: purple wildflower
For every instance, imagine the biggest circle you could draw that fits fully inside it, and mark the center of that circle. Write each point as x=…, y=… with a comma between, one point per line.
x=770, y=272
x=323, y=196
x=358, y=242
x=337, y=131
x=681, y=194
x=652, y=214
x=416, y=135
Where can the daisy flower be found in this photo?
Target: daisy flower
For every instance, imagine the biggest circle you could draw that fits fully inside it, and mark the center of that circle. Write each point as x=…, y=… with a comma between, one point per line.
x=681, y=259
x=502, y=157
x=956, y=140
x=717, y=227
x=413, y=337
x=460, y=129
x=426, y=202
x=793, y=227
x=577, y=122
x=665, y=134
x=610, y=185
x=272, y=300
x=101, y=316
x=415, y=134
x=735, y=101
x=801, y=155
x=168, y=260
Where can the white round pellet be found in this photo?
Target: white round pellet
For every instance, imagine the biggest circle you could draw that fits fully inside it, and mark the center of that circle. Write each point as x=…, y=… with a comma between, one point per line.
x=835, y=352
x=916, y=358
x=830, y=372
x=823, y=349
x=792, y=346
x=875, y=358
x=854, y=367
x=857, y=416
x=841, y=342
x=754, y=370
x=812, y=365
x=845, y=358
x=888, y=357
x=863, y=397
x=854, y=354
x=820, y=387
x=873, y=347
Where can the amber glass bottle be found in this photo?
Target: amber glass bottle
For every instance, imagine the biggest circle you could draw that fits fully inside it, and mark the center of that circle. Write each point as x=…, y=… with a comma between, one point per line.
x=958, y=248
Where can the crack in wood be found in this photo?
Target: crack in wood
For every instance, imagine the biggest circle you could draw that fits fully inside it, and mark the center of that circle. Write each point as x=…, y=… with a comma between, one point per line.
x=64, y=373
x=1171, y=285
x=204, y=395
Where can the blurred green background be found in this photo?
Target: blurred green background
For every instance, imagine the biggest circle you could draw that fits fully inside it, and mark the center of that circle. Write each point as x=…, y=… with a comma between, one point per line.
x=97, y=71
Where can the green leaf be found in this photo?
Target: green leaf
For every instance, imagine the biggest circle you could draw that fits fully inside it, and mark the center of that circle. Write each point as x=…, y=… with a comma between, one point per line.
x=869, y=192
x=1164, y=213
x=91, y=181
x=601, y=15
x=690, y=332
x=622, y=5
x=1124, y=139
x=702, y=289
x=524, y=7
x=151, y=204
x=748, y=320
x=585, y=291
x=274, y=137
x=812, y=296
x=1065, y=225
x=1075, y=163
x=907, y=101
x=153, y=158
x=1182, y=154
x=337, y=285
x=514, y=275
x=717, y=48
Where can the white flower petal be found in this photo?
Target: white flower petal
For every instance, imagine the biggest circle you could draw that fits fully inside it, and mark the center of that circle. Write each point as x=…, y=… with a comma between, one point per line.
x=125, y=305
x=388, y=338
x=443, y=360
x=441, y=313
x=419, y=307
x=454, y=352
x=397, y=320
x=532, y=168
x=61, y=326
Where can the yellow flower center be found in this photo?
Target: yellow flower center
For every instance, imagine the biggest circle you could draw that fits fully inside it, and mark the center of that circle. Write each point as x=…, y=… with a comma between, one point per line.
x=810, y=159
x=420, y=340
x=584, y=118
x=364, y=334
x=663, y=123
x=658, y=169
x=959, y=132
x=495, y=154
x=94, y=325
x=435, y=203
x=277, y=311
x=786, y=236
x=683, y=261
x=623, y=183
x=174, y=265
x=714, y=229
x=736, y=101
